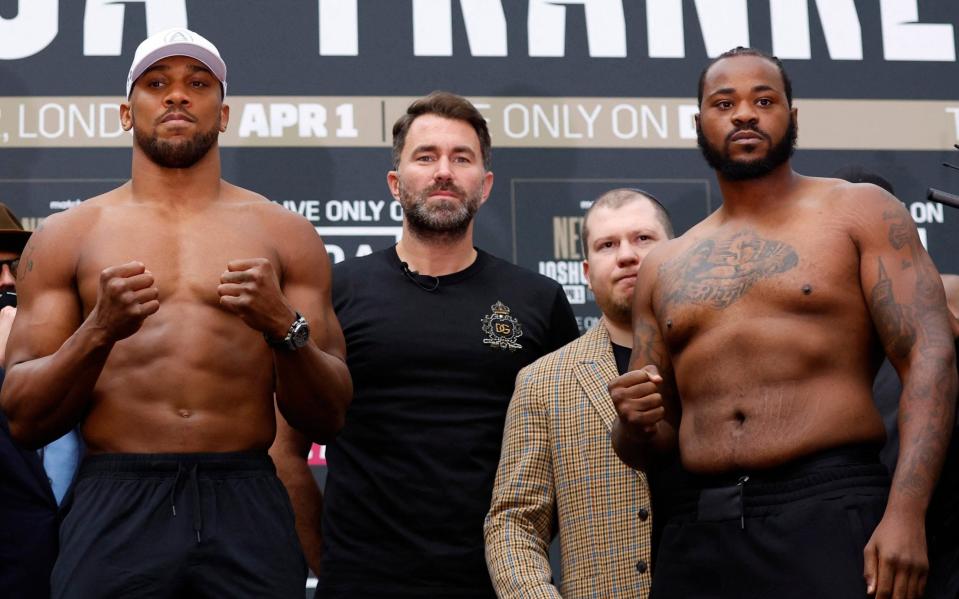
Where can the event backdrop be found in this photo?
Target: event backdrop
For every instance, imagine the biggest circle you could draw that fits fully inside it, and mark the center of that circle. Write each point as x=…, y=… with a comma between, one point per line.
x=581, y=96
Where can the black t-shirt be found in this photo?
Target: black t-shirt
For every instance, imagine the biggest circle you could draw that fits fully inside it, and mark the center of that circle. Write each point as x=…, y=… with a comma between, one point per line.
x=621, y=353
x=411, y=473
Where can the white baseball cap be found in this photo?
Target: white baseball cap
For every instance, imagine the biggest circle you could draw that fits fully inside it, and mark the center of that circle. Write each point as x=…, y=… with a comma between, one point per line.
x=176, y=42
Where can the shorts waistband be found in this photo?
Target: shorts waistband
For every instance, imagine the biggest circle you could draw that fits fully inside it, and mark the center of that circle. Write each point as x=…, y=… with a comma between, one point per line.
x=187, y=468
x=846, y=467
x=828, y=465
x=169, y=464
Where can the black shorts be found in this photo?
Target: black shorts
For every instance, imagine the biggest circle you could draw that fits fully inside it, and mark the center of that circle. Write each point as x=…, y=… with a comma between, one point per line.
x=179, y=525
x=797, y=531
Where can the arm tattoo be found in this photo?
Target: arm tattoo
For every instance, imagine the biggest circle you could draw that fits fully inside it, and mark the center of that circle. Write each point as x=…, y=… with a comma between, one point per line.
x=648, y=347
x=898, y=231
x=927, y=396
x=892, y=322
x=717, y=272
x=26, y=259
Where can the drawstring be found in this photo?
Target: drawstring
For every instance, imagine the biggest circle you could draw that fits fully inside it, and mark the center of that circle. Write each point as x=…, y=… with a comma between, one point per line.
x=176, y=479
x=197, y=508
x=197, y=511
x=742, y=503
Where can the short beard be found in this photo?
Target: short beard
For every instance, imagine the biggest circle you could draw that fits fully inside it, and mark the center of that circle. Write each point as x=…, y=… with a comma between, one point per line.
x=614, y=310
x=740, y=170
x=449, y=219
x=181, y=154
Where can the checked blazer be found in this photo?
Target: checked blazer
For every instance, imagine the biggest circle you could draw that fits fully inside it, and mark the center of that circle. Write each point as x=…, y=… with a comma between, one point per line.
x=558, y=474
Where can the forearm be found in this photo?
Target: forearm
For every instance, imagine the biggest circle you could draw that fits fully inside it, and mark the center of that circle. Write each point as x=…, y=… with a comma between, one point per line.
x=313, y=390
x=520, y=524
x=45, y=397
x=926, y=417
x=518, y=557
x=307, y=503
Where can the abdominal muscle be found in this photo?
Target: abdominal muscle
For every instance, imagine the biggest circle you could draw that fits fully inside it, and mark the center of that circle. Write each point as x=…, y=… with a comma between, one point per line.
x=194, y=378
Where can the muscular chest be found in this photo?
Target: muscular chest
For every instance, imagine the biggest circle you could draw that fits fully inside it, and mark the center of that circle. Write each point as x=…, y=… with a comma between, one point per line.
x=734, y=276
x=186, y=256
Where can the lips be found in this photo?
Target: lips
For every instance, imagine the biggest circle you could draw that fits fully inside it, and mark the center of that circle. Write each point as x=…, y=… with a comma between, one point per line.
x=176, y=116
x=445, y=191
x=745, y=136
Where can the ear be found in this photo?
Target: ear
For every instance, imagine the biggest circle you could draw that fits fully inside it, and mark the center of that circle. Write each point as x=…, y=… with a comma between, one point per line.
x=795, y=116
x=586, y=273
x=698, y=124
x=487, y=186
x=224, y=117
x=393, y=182
x=126, y=116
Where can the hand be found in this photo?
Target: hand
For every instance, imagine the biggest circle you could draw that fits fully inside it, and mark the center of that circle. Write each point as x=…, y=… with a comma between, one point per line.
x=126, y=297
x=896, y=563
x=638, y=401
x=251, y=290
x=7, y=314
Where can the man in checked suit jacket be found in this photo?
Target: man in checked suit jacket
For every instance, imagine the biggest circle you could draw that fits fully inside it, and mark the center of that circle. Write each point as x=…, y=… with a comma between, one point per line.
x=557, y=464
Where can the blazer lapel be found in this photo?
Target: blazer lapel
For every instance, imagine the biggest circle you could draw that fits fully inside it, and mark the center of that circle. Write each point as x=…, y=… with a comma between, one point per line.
x=595, y=369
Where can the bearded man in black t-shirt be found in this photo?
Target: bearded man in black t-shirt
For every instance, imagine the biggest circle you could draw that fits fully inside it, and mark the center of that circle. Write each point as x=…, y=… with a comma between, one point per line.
x=436, y=331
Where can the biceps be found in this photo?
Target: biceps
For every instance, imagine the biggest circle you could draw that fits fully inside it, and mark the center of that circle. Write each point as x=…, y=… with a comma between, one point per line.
x=904, y=292
x=43, y=324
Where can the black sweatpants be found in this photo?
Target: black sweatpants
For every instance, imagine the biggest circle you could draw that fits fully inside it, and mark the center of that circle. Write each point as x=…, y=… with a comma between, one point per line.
x=179, y=525
x=798, y=531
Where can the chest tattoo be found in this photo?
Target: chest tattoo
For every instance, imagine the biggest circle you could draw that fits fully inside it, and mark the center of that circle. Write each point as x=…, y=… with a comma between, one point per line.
x=717, y=272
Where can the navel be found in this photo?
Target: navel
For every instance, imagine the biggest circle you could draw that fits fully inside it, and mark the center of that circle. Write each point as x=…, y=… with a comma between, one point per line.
x=806, y=289
x=185, y=413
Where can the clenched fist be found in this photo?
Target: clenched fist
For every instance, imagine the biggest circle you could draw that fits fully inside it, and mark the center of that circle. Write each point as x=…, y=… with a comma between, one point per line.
x=126, y=297
x=638, y=400
x=250, y=289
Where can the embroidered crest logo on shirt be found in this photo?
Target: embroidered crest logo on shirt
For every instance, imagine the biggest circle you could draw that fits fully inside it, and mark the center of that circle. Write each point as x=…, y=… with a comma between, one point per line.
x=502, y=330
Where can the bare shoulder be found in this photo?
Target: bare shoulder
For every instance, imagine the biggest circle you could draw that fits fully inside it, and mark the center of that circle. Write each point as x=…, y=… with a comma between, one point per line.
x=54, y=245
x=270, y=213
x=861, y=206
x=294, y=239
x=284, y=227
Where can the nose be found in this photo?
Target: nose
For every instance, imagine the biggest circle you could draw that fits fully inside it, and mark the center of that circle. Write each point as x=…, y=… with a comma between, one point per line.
x=627, y=254
x=176, y=95
x=744, y=113
x=443, y=171
x=7, y=279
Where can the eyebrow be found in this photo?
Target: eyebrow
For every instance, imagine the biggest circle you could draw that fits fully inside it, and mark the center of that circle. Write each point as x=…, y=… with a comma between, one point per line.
x=637, y=231
x=434, y=148
x=762, y=87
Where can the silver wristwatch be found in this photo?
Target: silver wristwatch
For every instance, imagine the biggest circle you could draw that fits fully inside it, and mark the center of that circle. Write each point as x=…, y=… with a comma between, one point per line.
x=296, y=337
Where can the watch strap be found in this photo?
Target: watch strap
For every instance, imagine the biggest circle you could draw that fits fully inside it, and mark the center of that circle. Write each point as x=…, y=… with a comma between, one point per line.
x=287, y=341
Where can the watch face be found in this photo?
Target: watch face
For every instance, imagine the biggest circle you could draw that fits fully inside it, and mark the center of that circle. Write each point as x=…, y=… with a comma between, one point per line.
x=300, y=334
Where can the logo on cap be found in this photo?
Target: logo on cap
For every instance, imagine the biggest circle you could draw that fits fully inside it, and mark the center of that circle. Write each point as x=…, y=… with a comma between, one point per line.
x=178, y=36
